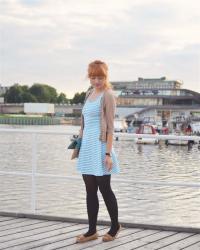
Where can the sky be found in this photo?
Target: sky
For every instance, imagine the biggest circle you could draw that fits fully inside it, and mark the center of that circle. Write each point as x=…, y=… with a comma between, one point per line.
x=53, y=41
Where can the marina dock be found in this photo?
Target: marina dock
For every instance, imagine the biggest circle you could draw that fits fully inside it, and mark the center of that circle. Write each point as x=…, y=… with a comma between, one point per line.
x=32, y=233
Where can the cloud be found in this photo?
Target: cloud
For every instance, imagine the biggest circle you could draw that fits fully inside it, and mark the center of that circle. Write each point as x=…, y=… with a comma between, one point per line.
x=53, y=41
x=30, y=2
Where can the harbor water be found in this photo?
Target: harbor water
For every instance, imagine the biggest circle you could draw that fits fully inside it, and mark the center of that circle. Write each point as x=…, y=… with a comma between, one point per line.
x=138, y=202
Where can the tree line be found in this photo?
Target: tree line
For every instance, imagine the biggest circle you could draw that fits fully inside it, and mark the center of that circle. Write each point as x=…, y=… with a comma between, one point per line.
x=39, y=93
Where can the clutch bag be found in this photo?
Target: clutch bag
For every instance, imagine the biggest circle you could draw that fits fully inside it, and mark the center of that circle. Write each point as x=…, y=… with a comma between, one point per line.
x=75, y=145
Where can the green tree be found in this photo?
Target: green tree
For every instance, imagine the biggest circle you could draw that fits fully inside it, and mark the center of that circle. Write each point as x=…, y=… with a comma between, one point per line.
x=37, y=93
x=78, y=97
x=53, y=93
x=44, y=93
x=28, y=97
x=17, y=93
x=62, y=98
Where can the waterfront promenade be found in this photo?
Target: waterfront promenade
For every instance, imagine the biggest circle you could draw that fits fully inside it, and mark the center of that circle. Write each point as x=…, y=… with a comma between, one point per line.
x=27, y=233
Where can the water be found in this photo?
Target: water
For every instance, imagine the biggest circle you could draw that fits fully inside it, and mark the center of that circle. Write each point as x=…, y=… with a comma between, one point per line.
x=168, y=205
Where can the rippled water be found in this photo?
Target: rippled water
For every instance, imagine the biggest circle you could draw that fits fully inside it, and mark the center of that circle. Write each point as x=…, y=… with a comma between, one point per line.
x=137, y=202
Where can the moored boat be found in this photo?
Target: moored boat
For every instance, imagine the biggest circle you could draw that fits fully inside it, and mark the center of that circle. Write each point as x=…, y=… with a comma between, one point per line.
x=179, y=142
x=146, y=129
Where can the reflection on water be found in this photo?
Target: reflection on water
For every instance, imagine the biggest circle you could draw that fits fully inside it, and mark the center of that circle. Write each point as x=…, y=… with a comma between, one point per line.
x=137, y=202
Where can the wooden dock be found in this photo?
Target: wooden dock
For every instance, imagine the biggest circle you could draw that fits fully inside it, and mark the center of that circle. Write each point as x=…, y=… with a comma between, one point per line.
x=22, y=233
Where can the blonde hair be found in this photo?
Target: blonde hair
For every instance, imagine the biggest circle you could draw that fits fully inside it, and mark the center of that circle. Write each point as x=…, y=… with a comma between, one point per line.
x=99, y=68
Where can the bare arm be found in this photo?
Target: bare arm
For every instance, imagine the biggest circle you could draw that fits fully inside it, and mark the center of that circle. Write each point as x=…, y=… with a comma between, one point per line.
x=81, y=129
x=109, y=143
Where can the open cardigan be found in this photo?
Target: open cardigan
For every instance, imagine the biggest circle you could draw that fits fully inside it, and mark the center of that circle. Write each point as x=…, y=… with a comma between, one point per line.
x=107, y=114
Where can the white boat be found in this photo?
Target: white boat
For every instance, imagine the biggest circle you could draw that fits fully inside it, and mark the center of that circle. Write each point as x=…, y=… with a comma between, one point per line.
x=146, y=129
x=120, y=125
x=178, y=142
x=195, y=127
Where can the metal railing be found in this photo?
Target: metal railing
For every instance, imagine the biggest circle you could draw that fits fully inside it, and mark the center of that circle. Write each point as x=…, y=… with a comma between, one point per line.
x=34, y=173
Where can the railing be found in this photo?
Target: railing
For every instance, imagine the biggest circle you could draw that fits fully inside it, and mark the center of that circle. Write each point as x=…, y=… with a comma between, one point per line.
x=35, y=174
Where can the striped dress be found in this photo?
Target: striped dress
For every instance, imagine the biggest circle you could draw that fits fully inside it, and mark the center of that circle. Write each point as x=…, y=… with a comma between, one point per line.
x=92, y=152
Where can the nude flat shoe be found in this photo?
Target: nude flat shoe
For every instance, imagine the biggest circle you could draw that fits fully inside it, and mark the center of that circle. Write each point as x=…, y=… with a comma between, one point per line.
x=107, y=237
x=81, y=238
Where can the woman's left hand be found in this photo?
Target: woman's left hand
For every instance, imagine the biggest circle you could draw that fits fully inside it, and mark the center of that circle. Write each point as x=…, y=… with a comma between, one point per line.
x=108, y=162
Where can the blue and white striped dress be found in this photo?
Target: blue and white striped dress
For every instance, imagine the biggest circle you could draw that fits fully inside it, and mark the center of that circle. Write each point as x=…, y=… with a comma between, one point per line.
x=92, y=152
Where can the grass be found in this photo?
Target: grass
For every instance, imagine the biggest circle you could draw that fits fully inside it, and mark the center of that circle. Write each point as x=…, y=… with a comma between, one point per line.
x=22, y=116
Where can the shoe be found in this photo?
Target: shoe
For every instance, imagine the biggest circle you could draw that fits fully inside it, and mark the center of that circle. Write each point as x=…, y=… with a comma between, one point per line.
x=108, y=237
x=81, y=238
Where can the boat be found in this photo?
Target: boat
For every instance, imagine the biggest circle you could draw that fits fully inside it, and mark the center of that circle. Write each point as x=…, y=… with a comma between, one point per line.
x=176, y=142
x=179, y=142
x=146, y=129
x=120, y=125
x=195, y=128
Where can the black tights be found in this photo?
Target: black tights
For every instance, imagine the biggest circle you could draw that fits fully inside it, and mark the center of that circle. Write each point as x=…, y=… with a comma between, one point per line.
x=103, y=182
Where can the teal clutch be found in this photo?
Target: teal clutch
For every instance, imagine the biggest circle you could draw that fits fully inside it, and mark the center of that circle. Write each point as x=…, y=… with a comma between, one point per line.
x=76, y=143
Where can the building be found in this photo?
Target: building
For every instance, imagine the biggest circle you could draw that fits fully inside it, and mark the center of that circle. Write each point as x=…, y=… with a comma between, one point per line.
x=3, y=89
x=157, y=99
x=38, y=108
x=1, y=99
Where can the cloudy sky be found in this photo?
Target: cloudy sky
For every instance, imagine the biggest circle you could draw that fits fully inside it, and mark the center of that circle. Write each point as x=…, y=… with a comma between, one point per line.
x=52, y=41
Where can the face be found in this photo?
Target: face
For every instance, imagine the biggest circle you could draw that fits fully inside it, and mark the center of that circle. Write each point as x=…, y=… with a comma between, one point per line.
x=98, y=82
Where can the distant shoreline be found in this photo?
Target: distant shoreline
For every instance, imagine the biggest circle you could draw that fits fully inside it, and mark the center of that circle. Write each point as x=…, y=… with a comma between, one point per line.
x=21, y=119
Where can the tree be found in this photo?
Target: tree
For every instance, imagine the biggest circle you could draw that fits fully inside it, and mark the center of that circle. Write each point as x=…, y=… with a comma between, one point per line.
x=62, y=98
x=18, y=94
x=36, y=93
x=53, y=93
x=78, y=97
x=28, y=97
x=43, y=93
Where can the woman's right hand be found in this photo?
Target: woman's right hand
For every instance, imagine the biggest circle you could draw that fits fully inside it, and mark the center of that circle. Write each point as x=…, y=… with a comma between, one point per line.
x=108, y=162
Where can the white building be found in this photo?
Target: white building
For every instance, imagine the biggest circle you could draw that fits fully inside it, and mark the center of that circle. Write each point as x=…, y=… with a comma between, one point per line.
x=3, y=89
x=38, y=108
x=1, y=99
x=157, y=98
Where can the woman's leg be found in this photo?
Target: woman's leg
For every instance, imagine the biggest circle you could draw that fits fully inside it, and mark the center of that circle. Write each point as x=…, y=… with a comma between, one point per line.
x=92, y=202
x=110, y=201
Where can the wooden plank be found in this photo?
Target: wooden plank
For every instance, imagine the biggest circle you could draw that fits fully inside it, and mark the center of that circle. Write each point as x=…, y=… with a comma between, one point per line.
x=133, y=241
x=181, y=244
x=31, y=235
x=193, y=246
x=5, y=218
x=68, y=240
x=53, y=237
x=129, y=234
x=25, y=234
x=98, y=244
x=24, y=228
x=165, y=241
x=5, y=228
x=10, y=222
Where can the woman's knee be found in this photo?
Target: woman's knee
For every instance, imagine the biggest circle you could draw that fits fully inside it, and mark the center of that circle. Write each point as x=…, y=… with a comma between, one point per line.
x=92, y=192
x=104, y=184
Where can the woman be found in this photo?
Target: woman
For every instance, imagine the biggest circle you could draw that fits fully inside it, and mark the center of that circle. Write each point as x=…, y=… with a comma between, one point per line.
x=97, y=159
